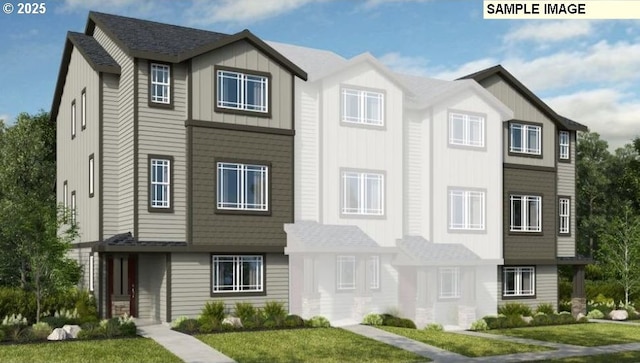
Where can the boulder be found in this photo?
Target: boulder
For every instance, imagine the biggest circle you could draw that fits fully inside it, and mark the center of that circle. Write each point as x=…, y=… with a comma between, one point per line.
x=580, y=316
x=232, y=320
x=619, y=315
x=57, y=334
x=527, y=319
x=72, y=331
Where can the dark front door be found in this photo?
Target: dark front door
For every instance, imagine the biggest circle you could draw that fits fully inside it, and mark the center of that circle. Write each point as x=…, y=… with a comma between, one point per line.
x=122, y=276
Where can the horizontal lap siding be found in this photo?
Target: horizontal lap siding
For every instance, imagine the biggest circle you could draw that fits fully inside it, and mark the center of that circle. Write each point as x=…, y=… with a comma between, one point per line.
x=417, y=187
x=567, y=187
x=110, y=177
x=307, y=153
x=151, y=283
x=546, y=288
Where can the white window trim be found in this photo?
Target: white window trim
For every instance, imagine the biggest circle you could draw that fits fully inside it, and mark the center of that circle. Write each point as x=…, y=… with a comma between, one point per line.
x=73, y=119
x=73, y=208
x=65, y=195
x=454, y=274
x=83, y=110
x=362, y=208
x=350, y=263
x=236, y=285
x=519, y=291
x=525, y=199
x=160, y=68
x=363, y=117
x=242, y=170
x=467, y=196
x=564, y=212
x=564, y=141
x=91, y=271
x=524, y=139
x=242, y=79
x=374, y=272
x=466, y=120
x=156, y=202
x=92, y=175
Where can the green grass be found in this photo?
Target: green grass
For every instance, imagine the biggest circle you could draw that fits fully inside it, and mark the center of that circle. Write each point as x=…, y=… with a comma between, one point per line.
x=306, y=345
x=114, y=350
x=588, y=335
x=466, y=345
x=623, y=357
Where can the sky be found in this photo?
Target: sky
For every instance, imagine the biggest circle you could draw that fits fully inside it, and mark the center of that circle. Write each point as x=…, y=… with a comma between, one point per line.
x=586, y=70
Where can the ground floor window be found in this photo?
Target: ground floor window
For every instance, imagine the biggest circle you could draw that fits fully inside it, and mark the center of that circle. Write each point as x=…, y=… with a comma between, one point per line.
x=373, y=269
x=237, y=273
x=346, y=272
x=449, y=282
x=518, y=281
x=91, y=272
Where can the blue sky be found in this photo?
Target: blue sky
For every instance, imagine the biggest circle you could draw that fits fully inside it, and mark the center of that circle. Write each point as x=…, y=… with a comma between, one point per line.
x=586, y=70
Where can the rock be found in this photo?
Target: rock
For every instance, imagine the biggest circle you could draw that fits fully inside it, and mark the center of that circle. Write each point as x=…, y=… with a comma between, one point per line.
x=619, y=315
x=57, y=334
x=527, y=319
x=72, y=331
x=232, y=320
x=580, y=316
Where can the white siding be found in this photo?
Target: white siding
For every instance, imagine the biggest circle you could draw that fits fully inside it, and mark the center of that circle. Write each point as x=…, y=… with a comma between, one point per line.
x=307, y=156
x=416, y=166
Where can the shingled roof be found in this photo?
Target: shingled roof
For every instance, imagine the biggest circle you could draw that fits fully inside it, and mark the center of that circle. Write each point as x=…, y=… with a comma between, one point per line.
x=310, y=236
x=93, y=52
x=424, y=251
x=500, y=71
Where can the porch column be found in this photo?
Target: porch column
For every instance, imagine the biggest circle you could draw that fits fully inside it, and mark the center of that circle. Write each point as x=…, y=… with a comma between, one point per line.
x=578, y=296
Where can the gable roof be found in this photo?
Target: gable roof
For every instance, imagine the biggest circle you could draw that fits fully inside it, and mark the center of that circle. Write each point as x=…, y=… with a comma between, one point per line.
x=501, y=72
x=313, y=237
x=425, y=251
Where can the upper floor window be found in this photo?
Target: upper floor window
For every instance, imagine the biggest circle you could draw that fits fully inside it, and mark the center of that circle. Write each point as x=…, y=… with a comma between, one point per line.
x=362, y=107
x=362, y=193
x=73, y=208
x=160, y=83
x=91, y=176
x=564, y=145
x=449, y=282
x=244, y=273
x=518, y=281
x=73, y=119
x=466, y=130
x=526, y=213
x=83, y=109
x=240, y=91
x=243, y=186
x=160, y=183
x=65, y=200
x=525, y=139
x=346, y=266
x=466, y=210
x=564, y=213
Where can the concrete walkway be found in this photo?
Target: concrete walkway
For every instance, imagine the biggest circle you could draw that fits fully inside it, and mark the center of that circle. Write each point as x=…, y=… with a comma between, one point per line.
x=184, y=346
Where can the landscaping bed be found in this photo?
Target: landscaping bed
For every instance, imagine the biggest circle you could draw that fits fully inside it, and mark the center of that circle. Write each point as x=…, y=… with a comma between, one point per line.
x=588, y=335
x=622, y=357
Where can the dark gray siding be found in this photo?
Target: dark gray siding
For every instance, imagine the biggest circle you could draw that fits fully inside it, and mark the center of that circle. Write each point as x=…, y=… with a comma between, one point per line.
x=210, y=228
x=530, y=246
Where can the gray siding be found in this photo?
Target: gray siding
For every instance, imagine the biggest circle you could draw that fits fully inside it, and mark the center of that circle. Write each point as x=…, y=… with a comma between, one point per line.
x=244, y=56
x=531, y=246
x=191, y=283
x=211, y=228
x=161, y=131
x=110, y=176
x=567, y=187
x=546, y=288
x=151, y=287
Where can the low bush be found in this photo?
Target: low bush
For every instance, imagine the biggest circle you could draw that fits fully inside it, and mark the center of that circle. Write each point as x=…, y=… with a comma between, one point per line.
x=479, y=325
x=434, y=327
x=90, y=330
x=293, y=321
x=372, y=319
x=564, y=305
x=565, y=317
x=319, y=322
x=595, y=314
x=245, y=311
x=213, y=311
x=41, y=330
x=390, y=320
x=274, y=311
x=510, y=309
x=515, y=321
x=545, y=308
x=496, y=322
x=188, y=326
x=541, y=319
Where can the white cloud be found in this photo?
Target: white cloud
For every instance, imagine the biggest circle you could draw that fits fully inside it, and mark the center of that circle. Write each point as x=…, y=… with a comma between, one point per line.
x=5, y=118
x=397, y=62
x=550, y=31
x=111, y=5
x=613, y=114
x=370, y=4
x=237, y=11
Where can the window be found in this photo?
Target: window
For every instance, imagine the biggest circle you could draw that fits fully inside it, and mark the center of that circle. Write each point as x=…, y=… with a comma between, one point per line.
x=346, y=272
x=65, y=199
x=73, y=119
x=526, y=213
x=518, y=281
x=564, y=212
x=363, y=193
x=449, y=282
x=466, y=210
x=238, y=273
x=91, y=176
x=91, y=272
x=160, y=183
x=362, y=107
x=466, y=130
x=243, y=186
x=564, y=145
x=373, y=270
x=73, y=208
x=240, y=91
x=525, y=139
x=83, y=109
x=160, y=83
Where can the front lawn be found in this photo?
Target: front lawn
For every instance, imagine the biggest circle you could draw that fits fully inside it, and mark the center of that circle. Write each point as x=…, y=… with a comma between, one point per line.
x=623, y=357
x=108, y=350
x=305, y=345
x=588, y=335
x=466, y=345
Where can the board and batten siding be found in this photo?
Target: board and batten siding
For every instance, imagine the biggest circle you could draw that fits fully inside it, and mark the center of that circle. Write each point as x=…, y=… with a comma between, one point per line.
x=125, y=129
x=567, y=187
x=151, y=286
x=191, y=284
x=523, y=110
x=161, y=131
x=417, y=180
x=110, y=176
x=73, y=154
x=546, y=288
x=241, y=55
x=307, y=160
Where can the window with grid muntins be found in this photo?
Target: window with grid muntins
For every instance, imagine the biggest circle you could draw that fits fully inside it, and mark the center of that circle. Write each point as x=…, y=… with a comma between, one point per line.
x=518, y=281
x=564, y=145
x=243, y=273
x=160, y=83
x=466, y=210
x=160, y=183
x=363, y=193
x=466, y=130
x=564, y=212
x=525, y=139
x=243, y=186
x=526, y=213
x=362, y=107
x=239, y=91
x=346, y=272
x=374, y=272
x=449, y=282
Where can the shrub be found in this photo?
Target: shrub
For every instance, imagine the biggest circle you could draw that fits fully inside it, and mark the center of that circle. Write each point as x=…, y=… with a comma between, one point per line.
x=319, y=322
x=541, y=319
x=245, y=311
x=57, y=321
x=274, y=310
x=91, y=330
x=595, y=314
x=565, y=318
x=14, y=319
x=176, y=322
x=293, y=321
x=41, y=330
x=15, y=300
x=564, y=305
x=479, y=325
x=390, y=320
x=254, y=322
x=213, y=311
x=545, y=308
x=188, y=326
x=496, y=322
x=518, y=309
x=515, y=321
x=372, y=319
x=434, y=327
x=110, y=327
x=128, y=329
x=85, y=306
